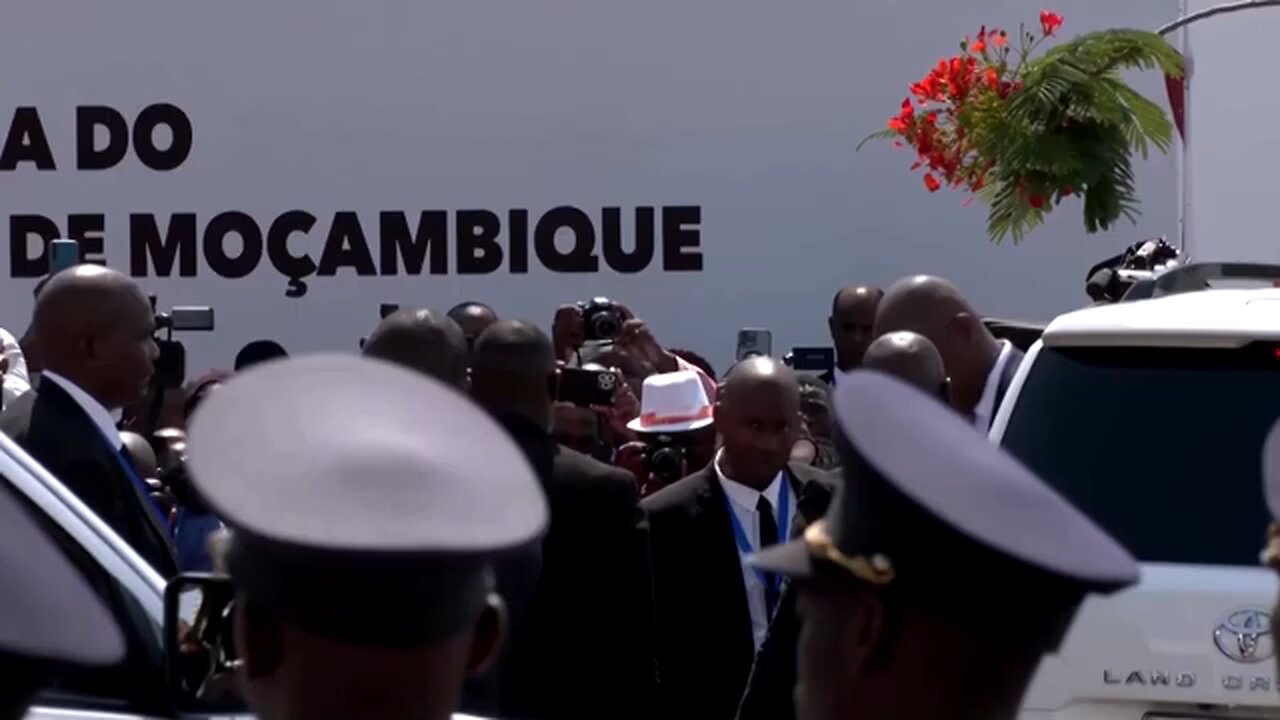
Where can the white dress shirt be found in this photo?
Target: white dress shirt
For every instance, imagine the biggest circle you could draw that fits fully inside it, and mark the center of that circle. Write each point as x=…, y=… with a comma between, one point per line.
x=985, y=411
x=100, y=416
x=742, y=500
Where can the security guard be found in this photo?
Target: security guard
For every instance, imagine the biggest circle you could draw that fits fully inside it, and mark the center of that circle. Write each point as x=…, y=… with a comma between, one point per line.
x=942, y=572
x=51, y=621
x=367, y=503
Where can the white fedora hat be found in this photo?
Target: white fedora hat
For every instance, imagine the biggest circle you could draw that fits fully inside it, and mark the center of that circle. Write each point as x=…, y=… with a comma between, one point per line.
x=672, y=402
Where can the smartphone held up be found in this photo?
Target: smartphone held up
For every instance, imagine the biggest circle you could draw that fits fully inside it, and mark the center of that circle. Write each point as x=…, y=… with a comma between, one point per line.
x=584, y=387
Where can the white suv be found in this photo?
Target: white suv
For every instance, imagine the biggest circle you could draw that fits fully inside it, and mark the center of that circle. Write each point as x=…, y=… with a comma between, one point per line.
x=1150, y=415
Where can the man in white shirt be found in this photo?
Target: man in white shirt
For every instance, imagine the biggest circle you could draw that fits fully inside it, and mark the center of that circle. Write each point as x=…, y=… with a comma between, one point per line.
x=94, y=327
x=712, y=610
x=979, y=366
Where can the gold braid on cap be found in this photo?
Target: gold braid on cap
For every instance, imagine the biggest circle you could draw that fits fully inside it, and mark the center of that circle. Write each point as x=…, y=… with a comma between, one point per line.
x=1270, y=554
x=877, y=569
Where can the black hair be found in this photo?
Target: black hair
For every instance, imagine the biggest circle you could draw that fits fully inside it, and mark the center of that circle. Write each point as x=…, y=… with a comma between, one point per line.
x=259, y=351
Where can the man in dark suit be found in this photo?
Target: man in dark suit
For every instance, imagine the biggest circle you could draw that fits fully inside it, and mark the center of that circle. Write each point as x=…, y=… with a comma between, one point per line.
x=712, y=610
x=94, y=327
x=852, y=321
x=770, y=692
x=432, y=344
x=580, y=649
x=979, y=366
x=916, y=602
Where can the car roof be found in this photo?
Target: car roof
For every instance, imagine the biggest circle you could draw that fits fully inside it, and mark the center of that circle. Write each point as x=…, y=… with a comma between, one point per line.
x=1205, y=318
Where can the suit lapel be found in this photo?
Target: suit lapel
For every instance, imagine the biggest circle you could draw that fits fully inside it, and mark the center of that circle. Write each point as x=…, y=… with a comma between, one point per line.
x=723, y=564
x=812, y=499
x=90, y=437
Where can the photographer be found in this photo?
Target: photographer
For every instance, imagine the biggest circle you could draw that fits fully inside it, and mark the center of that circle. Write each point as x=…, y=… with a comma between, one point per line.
x=674, y=429
x=604, y=323
x=584, y=419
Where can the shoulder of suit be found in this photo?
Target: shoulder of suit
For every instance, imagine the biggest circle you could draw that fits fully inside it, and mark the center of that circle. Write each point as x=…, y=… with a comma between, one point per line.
x=570, y=462
x=679, y=496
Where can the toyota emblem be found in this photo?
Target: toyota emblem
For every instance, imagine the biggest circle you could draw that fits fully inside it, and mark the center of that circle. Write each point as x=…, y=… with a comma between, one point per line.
x=1245, y=636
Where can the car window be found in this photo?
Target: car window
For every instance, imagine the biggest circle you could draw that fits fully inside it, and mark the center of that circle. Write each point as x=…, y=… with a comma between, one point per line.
x=136, y=685
x=1161, y=446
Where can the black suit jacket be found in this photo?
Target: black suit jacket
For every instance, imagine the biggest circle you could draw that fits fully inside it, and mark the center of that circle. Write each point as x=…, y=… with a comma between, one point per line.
x=770, y=690
x=704, y=639
x=580, y=648
x=58, y=434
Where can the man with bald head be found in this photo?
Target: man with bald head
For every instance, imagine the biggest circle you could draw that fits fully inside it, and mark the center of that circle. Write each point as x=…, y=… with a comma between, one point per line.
x=910, y=357
x=712, y=610
x=574, y=652
x=979, y=366
x=853, y=316
x=770, y=691
x=94, y=327
x=423, y=341
x=473, y=317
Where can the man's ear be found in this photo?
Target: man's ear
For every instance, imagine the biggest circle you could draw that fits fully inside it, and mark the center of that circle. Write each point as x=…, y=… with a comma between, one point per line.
x=486, y=640
x=831, y=325
x=260, y=639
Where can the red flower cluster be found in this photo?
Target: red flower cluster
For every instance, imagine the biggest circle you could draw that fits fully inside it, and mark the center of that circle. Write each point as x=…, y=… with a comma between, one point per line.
x=937, y=133
x=1050, y=22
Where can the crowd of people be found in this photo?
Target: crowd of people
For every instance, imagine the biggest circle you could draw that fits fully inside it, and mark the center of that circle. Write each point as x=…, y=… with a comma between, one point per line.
x=438, y=523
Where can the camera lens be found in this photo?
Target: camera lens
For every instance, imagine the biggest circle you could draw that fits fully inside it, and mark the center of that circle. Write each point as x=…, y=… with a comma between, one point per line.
x=605, y=325
x=667, y=463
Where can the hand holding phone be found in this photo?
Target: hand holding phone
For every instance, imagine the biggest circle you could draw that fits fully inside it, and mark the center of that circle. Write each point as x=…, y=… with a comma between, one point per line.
x=584, y=388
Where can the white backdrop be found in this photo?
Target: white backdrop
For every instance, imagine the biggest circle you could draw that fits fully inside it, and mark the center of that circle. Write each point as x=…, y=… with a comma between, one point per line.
x=1233, y=146
x=749, y=109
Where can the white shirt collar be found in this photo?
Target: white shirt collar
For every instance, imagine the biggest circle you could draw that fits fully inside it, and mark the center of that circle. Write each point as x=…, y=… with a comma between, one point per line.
x=744, y=496
x=94, y=409
x=986, y=407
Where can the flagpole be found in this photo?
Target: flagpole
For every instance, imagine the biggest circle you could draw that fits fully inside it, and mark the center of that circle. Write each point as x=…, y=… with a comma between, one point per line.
x=1185, y=211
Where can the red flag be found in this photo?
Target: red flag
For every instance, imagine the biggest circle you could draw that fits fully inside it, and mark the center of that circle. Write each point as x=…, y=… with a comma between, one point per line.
x=1177, y=89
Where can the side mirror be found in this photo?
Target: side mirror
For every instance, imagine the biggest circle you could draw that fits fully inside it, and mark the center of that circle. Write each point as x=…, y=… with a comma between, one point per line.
x=199, y=638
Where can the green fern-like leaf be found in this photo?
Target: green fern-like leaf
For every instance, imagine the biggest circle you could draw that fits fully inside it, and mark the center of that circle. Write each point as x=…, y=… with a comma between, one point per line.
x=879, y=135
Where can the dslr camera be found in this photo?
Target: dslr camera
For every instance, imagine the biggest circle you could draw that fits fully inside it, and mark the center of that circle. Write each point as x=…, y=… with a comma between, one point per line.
x=664, y=458
x=171, y=365
x=601, y=319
